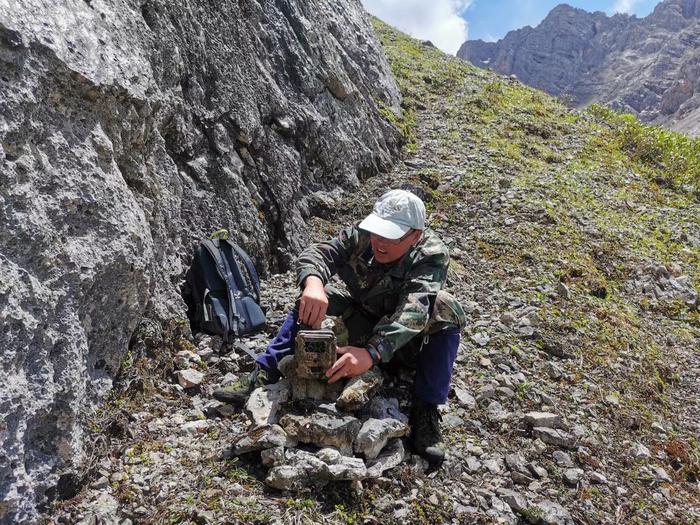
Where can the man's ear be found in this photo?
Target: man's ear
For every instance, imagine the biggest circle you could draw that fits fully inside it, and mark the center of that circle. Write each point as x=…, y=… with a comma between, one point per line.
x=416, y=235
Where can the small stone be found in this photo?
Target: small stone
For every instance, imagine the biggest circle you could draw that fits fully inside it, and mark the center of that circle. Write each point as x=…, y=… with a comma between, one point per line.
x=266, y=401
x=520, y=479
x=476, y=450
x=553, y=371
x=485, y=362
x=553, y=514
x=562, y=459
x=597, y=478
x=661, y=474
x=517, y=463
x=495, y=412
x=285, y=477
x=348, y=469
x=386, y=408
x=538, y=471
x=375, y=433
x=572, y=476
x=542, y=419
x=225, y=410
x=272, y=457
x=513, y=499
x=450, y=421
x=203, y=516
x=639, y=452
x=117, y=477
x=494, y=466
x=473, y=465
x=196, y=427
x=261, y=438
x=464, y=398
x=563, y=291
x=504, y=391
x=100, y=483
x=612, y=400
x=508, y=319
x=658, y=427
x=358, y=391
x=485, y=393
x=329, y=455
x=189, y=378
x=470, y=307
x=481, y=338
x=551, y=436
x=323, y=430
x=391, y=456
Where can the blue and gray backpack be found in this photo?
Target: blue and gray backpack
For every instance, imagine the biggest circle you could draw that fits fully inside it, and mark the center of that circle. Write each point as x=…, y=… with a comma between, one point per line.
x=222, y=290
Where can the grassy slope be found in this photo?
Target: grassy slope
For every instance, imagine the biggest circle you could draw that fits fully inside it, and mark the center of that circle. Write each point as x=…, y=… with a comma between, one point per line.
x=600, y=196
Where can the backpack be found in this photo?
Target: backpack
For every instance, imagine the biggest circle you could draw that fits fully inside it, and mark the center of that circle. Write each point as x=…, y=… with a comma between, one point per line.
x=222, y=290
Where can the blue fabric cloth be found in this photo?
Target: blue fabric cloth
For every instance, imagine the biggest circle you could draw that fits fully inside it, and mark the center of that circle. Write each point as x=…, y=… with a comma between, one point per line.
x=282, y=345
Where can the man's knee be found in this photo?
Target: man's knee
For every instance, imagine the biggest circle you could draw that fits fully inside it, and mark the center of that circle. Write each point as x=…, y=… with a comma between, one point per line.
x=446, y=314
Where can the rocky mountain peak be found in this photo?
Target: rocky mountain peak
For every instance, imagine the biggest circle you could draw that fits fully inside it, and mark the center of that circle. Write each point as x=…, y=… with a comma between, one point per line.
x=684, y=8
x=644, y=66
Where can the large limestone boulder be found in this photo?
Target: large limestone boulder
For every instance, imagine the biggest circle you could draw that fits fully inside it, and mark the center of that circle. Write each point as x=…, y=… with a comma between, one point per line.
x=127, y=131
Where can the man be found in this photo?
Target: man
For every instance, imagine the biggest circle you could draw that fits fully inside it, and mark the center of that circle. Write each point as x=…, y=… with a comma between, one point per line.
x=393, y=307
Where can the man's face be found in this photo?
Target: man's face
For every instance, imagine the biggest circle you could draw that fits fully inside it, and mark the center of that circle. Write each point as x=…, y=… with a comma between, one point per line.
x=388, y=251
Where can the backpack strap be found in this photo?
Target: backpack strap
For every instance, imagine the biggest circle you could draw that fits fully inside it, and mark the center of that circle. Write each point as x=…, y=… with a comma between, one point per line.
x=240, y=345
x=248, y=263
x=225, y=271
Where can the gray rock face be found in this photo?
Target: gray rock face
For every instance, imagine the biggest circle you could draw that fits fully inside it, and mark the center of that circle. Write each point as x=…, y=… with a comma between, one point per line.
x=127, y=131
x=643, y=66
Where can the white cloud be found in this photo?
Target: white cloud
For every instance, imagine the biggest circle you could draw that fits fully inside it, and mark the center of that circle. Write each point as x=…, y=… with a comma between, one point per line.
x=439, y=21
x=624, y=6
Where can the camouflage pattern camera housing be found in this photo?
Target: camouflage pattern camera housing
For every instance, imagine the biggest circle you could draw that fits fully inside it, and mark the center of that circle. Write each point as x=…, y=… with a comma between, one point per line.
x=315, y=353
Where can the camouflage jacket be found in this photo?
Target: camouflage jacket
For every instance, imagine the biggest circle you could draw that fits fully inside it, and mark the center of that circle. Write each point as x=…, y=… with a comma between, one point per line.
x=406, y=296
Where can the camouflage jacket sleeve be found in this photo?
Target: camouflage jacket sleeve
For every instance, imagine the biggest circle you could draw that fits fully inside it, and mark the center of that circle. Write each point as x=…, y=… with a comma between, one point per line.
x=323, y=259
x=423, y=281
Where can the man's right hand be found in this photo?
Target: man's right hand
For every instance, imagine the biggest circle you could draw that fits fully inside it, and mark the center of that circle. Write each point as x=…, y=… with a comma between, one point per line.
x=313, y=303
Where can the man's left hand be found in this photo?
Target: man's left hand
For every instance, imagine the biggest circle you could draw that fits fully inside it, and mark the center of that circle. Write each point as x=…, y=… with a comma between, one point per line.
x=353, y=362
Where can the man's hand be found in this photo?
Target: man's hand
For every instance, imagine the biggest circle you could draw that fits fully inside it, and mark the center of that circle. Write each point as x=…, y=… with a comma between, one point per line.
x=313, y=303
x=353, y=362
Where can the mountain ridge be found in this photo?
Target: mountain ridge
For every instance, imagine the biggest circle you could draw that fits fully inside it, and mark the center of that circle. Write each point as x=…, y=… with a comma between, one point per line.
x=645, y=66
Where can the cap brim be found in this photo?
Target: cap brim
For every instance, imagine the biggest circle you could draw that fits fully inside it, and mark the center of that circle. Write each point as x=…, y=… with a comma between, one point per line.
x=382, y=227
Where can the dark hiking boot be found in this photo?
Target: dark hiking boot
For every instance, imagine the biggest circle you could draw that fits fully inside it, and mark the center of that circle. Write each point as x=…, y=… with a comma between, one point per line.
x=426, y=438
x=237, y=393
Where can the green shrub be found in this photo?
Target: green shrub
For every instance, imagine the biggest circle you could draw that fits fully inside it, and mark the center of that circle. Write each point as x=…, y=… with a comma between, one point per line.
x=675, y=154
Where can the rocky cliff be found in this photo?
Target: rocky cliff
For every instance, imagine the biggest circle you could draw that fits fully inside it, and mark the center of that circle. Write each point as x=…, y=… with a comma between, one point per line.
x=644, y=66
x=129, y=129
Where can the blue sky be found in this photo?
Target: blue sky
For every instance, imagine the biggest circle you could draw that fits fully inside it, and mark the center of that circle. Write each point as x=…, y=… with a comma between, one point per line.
x=448, y=23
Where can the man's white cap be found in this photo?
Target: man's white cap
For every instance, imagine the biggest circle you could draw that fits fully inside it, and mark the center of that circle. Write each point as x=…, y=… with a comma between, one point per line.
x=396, y=212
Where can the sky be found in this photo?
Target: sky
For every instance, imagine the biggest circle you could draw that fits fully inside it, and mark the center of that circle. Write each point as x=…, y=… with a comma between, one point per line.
x=448, y=23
